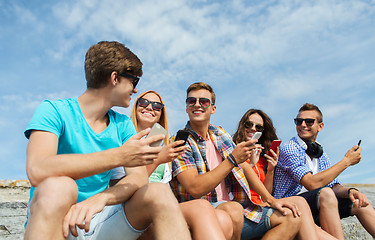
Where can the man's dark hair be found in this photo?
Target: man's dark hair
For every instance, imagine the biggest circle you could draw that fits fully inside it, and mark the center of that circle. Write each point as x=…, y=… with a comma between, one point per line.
x=104, y=58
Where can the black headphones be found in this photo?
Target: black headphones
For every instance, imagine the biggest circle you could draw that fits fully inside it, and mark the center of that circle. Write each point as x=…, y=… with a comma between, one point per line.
x=314, y=149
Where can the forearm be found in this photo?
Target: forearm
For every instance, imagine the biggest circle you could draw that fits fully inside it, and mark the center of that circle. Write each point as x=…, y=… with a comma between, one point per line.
x=323, y=178
x=124, y=189
x=255, y=184
x=201, y=184
x=75, y=166
x=268, y=181
x=340, y=191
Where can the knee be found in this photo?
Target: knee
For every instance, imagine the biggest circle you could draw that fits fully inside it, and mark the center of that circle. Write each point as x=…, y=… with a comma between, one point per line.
x=225, y=223
x=54, y=194
x=327, y=198
x=159, y=195
x=290, y=219
x=235, y=211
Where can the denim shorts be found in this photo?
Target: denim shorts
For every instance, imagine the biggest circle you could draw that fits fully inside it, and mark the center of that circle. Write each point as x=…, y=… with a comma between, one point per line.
x=252, y=229
x=111, y=223
x=312, y=198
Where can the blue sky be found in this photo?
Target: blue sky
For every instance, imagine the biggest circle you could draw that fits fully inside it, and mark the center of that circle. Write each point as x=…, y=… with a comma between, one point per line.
x=272, y=55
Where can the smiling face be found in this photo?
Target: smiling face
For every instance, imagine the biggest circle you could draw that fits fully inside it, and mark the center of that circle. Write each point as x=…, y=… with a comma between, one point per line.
x=197, y=114
x=122, y=91
x=309, y=132
x=147, y=116
x=255, y=119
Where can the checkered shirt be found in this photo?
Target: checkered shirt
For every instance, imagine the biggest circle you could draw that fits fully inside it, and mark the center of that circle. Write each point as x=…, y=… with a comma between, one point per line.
x=292, y=166
x=195, y=158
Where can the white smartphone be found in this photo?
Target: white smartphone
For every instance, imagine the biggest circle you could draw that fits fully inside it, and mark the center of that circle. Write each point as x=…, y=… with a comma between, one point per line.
x=156, y=130
x=256, y=135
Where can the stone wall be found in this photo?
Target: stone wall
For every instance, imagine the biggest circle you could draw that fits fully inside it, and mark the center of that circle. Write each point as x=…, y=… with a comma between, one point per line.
x=14, y=197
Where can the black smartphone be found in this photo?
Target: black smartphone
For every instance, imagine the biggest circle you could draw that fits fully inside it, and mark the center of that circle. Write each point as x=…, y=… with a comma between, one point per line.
x=359, y=143
x=182, y=135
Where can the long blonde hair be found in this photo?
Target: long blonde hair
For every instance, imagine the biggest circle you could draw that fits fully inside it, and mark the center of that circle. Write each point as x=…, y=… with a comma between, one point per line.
x=163, y=117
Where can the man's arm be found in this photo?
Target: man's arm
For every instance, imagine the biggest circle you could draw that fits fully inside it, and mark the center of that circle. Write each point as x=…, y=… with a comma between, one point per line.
x=321, y=179
x=43, y=160
x=81, y=213
x=200, y=184
x=354, y=194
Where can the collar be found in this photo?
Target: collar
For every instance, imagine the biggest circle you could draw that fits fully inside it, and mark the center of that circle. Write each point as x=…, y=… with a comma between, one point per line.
x=195, y=135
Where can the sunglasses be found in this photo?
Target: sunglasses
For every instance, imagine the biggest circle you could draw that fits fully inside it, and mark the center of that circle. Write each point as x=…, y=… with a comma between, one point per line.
x=143, y=102
x=204, y=102
x=258, y=127
x=309, y=121
x=135, y=79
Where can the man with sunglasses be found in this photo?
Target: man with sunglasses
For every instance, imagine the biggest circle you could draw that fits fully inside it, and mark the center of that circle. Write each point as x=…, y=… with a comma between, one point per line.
x=73, y=145
x=304, y=169
x=209, y=169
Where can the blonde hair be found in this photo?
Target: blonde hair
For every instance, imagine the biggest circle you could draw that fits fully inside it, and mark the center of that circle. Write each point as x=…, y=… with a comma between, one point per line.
x=163, y=117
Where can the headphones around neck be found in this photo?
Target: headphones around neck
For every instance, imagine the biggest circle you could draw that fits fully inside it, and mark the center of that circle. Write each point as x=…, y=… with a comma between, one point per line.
x=314, y=149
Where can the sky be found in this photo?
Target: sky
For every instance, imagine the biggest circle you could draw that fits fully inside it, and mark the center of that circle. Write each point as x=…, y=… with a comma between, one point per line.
x=271, y=55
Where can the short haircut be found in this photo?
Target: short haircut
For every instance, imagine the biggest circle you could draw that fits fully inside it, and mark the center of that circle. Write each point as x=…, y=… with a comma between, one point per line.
x=104, y=58
x=202, y=85
x=312, y=107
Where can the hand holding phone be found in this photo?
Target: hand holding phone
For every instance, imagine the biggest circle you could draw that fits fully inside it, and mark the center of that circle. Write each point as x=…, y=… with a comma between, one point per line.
x=274, y=145
x=156, y=130
x=182, y=135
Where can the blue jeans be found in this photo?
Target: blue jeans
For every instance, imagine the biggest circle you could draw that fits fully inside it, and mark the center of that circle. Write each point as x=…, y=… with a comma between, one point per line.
x=252, y=229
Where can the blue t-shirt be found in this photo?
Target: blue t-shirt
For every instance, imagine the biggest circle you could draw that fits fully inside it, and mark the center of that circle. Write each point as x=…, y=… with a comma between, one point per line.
x=65, y=119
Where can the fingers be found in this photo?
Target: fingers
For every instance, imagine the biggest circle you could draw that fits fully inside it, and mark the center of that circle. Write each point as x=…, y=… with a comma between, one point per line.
x=141, y=134
x=66, y=224
x=153, y=139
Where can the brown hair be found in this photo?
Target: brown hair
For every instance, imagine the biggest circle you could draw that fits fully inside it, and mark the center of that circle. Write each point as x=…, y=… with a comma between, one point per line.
x=163, y=117
x=202, y=85
x=268, y=134
x=104, y=58
x=312, y=107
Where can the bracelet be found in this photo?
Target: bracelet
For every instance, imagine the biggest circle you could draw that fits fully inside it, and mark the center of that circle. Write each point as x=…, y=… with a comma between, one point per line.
x=352, y=188
x=232, y=160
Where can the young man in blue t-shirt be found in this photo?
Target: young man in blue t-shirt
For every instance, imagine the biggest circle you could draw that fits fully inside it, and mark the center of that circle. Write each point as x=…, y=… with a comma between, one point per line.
x=73, y=145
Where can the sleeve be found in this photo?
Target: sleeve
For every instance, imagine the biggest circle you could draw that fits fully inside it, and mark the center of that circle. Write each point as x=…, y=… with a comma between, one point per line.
x=292, y=162
x=46, y=118
x=184, y=162
x=118, y=173
x=129, y=129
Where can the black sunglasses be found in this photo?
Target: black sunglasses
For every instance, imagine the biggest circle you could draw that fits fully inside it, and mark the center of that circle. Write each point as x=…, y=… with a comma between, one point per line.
x=258, y=127
x=309, y=121
x=135, y=79
x=143, y=102
x=204, y=102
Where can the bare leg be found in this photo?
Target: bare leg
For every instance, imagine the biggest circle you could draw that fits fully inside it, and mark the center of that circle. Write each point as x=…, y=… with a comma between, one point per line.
x=366, y=215
x=235, y=211
x=225, y=223
x=202, y=220
x=323, y=235
x=283, y=227
x=329, y=213
x=156, y=203
x=51, y=201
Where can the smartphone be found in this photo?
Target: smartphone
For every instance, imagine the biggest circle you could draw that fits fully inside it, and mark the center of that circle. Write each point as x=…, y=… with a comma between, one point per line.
x=359, y=143
x=156, y=130
x=182, y=135
x=256, y=135
x=274, y=145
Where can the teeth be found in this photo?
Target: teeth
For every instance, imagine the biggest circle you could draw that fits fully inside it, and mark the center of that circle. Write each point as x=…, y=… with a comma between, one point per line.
x=148, y=114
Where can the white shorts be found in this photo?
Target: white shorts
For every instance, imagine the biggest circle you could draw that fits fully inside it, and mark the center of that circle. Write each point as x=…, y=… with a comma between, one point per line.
x=111, y=223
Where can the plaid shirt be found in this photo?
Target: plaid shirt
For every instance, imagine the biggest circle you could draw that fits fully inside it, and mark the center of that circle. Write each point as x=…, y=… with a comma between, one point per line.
x=292, y=166
x=195, y=158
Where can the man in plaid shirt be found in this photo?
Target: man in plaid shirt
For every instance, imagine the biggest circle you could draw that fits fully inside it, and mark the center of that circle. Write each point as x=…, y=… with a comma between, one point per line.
x=209, y=169
x=304, y=169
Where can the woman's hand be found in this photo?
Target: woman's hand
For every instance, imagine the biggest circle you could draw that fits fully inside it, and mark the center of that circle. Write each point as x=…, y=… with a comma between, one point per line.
x=171, y=152
x=272, y=160
x=254, y=157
